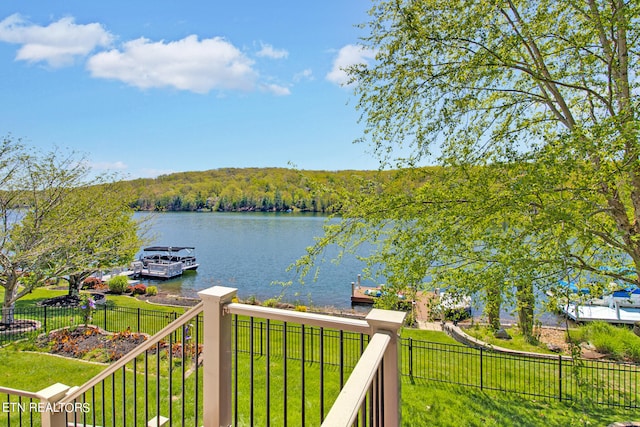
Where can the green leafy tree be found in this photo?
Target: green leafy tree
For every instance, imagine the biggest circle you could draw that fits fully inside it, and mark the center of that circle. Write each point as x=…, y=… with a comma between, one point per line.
x=531, y=109
x=105, y=233
x=56, y=222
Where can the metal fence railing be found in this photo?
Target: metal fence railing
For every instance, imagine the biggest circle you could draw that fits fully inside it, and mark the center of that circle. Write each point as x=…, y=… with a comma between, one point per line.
x=109, y=318
x=559, y=378
x=551, y=377
x=158, y=382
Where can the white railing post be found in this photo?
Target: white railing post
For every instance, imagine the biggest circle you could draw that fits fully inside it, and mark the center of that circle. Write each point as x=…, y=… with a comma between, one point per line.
x=217, y=356
x=389, y=322
x=51, y=415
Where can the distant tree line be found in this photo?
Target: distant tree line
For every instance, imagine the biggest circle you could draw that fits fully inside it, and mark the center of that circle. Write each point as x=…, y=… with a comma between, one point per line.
x=245, y=190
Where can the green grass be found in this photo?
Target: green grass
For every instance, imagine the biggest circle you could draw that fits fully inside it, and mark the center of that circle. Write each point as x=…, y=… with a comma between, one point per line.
x=617, y=342
x=41, y=294
x=33, y=371
x=517, y=341
x=431, y=336
x=451, y=406
x=132, y=313
x=424, y=402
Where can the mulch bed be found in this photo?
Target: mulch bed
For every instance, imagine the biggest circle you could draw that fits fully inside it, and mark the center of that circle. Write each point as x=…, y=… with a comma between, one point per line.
x=70, y=300
x=19, y=326
x=79, y=341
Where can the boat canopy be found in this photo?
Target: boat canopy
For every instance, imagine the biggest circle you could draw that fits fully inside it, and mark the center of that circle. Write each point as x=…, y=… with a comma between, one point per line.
x=167, y=248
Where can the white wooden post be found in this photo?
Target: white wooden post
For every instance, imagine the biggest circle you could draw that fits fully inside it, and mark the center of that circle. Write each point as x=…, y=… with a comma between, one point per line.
x=50, y=414
x=389, y=322
x=217, y=356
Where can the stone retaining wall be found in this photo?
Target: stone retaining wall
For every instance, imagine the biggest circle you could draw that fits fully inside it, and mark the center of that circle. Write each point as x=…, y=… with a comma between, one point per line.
x=459, y=335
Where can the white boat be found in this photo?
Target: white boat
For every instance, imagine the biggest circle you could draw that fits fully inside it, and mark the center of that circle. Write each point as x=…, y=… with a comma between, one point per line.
x=165, y=262
x=617, y=305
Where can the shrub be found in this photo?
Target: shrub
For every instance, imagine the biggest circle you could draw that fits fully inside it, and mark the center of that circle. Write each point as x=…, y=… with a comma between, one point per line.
x=87, y=305
x=118, y=284
x=91, y=283
x=152, y=290
x=608, y=344
x=618, y=343
x=302, y=308
x=271, y=302
x=138, y=289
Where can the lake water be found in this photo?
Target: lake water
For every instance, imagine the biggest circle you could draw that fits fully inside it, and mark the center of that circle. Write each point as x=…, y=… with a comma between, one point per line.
x=251, y=252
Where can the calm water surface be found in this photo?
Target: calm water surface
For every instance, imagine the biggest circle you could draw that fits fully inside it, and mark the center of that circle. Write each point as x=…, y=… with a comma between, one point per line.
x=251, y=251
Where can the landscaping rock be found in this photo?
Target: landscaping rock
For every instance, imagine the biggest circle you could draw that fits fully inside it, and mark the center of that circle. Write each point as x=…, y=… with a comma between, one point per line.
x=502, y=334
x=588, y=346
x=554, y=347
x=636, y=328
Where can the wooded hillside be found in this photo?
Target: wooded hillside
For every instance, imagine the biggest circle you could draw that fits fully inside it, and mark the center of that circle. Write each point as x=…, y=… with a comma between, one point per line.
x=245, y=189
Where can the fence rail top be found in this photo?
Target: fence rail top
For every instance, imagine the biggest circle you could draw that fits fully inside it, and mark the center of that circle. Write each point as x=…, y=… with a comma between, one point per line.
x=310, y=319
x=16, y=392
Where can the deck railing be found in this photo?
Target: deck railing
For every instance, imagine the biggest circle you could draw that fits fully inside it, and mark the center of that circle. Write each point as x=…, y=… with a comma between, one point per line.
x=381, y=374
x=156, y=382
x=19, y=407
x=207, y=374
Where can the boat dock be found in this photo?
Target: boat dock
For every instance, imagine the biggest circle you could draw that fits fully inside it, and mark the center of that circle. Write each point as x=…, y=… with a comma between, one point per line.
x=428, y=305
x=592, y=313
x=166, y=262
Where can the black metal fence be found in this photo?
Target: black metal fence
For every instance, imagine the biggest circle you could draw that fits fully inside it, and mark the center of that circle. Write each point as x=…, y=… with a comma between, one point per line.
x=550, y=378
x=163, y=382
x=327, y=346
x=289, y=373
x=109, y=318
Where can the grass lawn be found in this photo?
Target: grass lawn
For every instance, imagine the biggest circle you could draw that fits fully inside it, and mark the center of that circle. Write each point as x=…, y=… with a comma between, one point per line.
x=423, y=402
x=449, y=406
x=40, y=294
x=431, y=336
x=517, y=341
x=32, y=371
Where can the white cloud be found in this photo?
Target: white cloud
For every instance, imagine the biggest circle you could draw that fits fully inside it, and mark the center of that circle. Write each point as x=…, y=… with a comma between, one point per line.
x=57, y=44
x=347, y=56
x=277, y=89
x=268, y=51
x=108, y=166
x=188, y=64
x=306, y=74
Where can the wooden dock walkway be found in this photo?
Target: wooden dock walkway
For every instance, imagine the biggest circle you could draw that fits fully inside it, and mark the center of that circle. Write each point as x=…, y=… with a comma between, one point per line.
x=363, y=295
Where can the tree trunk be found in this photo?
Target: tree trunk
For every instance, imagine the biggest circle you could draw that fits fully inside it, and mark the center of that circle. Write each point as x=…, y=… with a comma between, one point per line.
x=525, y=305
x=493, y=304
x=8, y=304
x=75, y=284
x=76, y=280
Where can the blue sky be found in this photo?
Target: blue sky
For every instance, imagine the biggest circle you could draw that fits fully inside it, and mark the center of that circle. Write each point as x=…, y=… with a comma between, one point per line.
x=148, y=88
